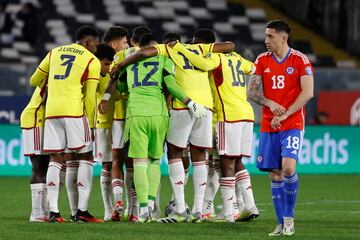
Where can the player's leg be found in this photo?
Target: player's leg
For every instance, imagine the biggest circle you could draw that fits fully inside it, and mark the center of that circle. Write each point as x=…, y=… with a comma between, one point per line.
x=200, y=140
x=158, y=129
x=212, y=184
x=136, y=131
x=79, y=139
x=180, y=125
x=117, y=181
x=72, y=167
x=269, y=159
x=54, y=143
x=291, y=145
x=103, y=139
x=33, y=144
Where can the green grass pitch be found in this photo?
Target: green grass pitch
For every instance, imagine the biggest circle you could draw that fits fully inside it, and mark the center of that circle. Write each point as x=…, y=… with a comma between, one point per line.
x=328, y=207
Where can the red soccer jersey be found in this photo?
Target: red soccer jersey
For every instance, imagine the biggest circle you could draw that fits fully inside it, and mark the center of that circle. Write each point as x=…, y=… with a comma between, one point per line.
x=281, y=83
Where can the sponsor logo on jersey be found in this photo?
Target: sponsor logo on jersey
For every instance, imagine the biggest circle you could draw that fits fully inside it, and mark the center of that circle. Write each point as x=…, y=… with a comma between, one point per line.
x=267, y=70
x=294, y=152
x=290, y=70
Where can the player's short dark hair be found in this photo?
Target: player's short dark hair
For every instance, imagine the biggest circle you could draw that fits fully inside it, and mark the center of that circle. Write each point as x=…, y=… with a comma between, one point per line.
x=115, y=32
x=279, y=26
x=146, y=39
x=170, y=37
x=104, y=51
x=204, y=35
x=85, y=31
x=138, y=32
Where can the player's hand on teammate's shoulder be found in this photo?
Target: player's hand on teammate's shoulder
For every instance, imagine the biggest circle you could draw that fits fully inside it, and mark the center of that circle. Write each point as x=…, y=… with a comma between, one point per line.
x=276, y=121
x=276, y=108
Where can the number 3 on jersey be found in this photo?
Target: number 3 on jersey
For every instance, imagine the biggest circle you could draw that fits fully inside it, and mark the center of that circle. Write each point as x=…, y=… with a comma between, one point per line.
x=278, y=82
x=68, y=63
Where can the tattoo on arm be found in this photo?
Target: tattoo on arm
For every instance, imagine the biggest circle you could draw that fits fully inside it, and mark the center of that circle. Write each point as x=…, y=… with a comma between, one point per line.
x=255, y=90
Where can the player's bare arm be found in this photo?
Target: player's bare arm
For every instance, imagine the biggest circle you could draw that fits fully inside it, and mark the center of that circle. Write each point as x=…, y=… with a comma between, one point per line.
x=223, y=47
x=255, y=93
x=307, y=92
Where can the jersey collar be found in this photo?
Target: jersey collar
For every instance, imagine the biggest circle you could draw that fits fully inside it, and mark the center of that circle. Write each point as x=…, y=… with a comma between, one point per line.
x=287, y=55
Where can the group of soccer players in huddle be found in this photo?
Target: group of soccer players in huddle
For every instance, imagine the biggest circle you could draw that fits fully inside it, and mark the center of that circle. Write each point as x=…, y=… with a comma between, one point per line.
x=130, y=102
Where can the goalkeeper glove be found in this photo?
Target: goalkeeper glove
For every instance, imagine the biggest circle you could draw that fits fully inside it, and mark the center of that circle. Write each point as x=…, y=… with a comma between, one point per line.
x=198, y=110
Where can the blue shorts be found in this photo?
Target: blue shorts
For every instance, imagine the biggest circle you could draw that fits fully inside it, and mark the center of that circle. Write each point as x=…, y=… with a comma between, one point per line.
x=274, y=146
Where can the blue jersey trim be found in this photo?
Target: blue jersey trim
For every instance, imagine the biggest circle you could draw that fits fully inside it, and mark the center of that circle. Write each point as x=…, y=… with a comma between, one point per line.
x=287, y=55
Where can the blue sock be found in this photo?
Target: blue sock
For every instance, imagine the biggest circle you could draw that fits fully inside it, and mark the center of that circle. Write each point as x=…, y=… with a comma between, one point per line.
x=290, y=189
x=277, y=192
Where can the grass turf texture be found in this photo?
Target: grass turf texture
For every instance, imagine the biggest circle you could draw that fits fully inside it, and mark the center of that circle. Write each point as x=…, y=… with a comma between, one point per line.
x=328, y=207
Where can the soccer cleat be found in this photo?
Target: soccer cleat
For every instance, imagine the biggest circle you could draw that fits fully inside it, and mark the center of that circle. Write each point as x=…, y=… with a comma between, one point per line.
x=117, y=211
x=38, y=219
x=196, y=217
x=288, y=229
x=175, y=217
x=248, y=214
x=133, y=218
x=156, y=214
x=56, y=217
x=207, y=217
x=278, y=231
x=170, y=208
x=74, y=218
x=221, y=217
x=144, y=218
x=85, y=216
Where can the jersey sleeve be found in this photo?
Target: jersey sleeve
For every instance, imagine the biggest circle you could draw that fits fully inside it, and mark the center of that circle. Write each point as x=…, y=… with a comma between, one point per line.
x=94, y=70
x=205, y=64
x=41, y=72
x=246, y=65
x=174, y=88
x=258, y=66
x=90, y=101
x=304, y=65
x=119, y=56
x=169, y=66
x=162, y=50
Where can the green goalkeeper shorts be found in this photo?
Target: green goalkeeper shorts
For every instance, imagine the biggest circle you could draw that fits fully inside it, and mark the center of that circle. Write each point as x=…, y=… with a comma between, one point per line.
x=146, y=136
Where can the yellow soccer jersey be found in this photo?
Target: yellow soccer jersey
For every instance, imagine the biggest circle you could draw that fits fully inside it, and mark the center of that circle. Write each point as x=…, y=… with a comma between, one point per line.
x=105, y=120
x=69, y=69
x=229, y=87
x=120, y=104
x=193, y=81
x=33, y=114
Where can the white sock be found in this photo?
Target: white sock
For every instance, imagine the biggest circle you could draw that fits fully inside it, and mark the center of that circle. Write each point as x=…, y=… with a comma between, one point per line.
x=151, y=204
x=187, y=173
x=45, y=203
x=37, y=196
x=53, y=185
x=177, y=179
x=62, y=175
x=235, y=206
x=239, y=198
x=106, y=191
x=71, y=185
x=212, y=186
x=243, y=180
x=134, y=203
x=144, y=210
x=85, y=175
x=199, y=180
x=227, y=194
x=129, y=176
x=117, y=189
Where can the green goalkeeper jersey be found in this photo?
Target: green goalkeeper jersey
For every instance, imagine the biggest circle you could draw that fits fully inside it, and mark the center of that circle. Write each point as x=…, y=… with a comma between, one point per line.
x=145, y=81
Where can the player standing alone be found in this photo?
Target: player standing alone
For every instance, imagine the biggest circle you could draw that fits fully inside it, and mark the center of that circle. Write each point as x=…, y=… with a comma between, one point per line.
x=286, y=78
